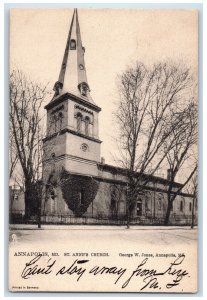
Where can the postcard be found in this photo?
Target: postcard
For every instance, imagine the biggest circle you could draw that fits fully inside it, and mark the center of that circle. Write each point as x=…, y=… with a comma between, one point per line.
x=103, y=150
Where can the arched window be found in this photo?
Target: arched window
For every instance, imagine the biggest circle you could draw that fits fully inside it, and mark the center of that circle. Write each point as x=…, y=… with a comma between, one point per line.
x=113, y=199
x=53, y=155
x=60, y=121
x=181, y=205
x=81, y=198
x=55, y=120
x=114, y=203
x=139, y=207
x=57, y=87
x=159, y=204
x=83, y=88
x=51, y=127
x=53, y=200
x=79, y=119
x=87, y=121
x=52, y=194
x=190, y=206
x=72, y=45
x=146, y=205
x=16, y=197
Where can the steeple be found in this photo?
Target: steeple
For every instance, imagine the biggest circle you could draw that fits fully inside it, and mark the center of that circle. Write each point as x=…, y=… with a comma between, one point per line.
x=72, y=78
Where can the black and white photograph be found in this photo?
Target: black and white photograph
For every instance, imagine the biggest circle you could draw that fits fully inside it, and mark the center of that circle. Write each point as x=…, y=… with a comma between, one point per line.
x=103, y=150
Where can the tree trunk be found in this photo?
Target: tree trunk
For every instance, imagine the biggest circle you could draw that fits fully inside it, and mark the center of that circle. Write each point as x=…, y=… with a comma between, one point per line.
x=127, y=208
x=39, y=208
x=28, y=199
x=128, y=218
x=130, y=197
x=27, y=206
x=167, y=216
x=128, y=213
x=192, y=224
x=39, y=217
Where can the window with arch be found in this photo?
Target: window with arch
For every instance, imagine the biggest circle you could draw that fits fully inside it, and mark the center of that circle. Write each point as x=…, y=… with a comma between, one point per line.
x=55, y=123
x=53, y=200
x=60, y=120
x=51, y=127
x=16, y=197
x=114, y=202
x=52, y=194
x=159, y=204
x=87, y=122
x=81, y=198
x=83, y=88
x=146, y=204
x=181, y=205
x=72, y=44
x=190, y=206
x=113, y=199
x=139, y=207
x=53, y=155
x=79, y=120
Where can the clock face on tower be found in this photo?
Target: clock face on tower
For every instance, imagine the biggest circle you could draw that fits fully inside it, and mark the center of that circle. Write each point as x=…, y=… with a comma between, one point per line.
x=84, y=147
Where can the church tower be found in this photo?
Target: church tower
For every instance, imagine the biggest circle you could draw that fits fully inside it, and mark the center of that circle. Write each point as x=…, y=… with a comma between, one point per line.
x=72, y=139
x=72, y=145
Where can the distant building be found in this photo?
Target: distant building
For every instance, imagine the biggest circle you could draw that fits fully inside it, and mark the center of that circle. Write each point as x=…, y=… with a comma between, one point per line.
x=16, y=203
x=77, y=181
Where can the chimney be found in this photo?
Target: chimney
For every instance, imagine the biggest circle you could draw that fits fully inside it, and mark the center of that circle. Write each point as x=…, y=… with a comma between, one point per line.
x=169, y=174
x=102, y=160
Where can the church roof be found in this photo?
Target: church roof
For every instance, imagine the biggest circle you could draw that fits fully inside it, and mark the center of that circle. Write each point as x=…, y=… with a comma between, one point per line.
x=123, y=171
x=72, y=77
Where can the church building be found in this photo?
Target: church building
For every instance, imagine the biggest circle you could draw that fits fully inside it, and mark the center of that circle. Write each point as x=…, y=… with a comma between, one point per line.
x=79, y=186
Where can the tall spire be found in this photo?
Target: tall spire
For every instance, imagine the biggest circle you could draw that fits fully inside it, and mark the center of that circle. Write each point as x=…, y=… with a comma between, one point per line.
x=72, y=77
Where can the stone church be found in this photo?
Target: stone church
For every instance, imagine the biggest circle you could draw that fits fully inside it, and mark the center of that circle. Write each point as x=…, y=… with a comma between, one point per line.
x=79, y=185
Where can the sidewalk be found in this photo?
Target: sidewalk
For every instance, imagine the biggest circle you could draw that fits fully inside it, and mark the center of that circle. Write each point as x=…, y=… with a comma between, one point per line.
x=94, y=227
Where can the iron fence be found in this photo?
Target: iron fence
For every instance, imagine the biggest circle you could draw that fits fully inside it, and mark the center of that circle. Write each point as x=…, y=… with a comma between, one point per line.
x=19, y=218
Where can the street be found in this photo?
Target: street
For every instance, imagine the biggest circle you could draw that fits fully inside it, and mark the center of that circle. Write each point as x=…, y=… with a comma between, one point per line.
x=147, y=235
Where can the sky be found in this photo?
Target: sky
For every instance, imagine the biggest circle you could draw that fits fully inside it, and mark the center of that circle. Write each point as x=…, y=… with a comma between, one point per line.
x=113, y=38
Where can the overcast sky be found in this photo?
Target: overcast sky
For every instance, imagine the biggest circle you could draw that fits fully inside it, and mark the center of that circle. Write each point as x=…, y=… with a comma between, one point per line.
x=113, y=40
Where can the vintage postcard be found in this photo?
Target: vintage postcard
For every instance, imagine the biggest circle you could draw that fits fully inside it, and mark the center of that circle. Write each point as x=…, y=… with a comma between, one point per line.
x=103, y=156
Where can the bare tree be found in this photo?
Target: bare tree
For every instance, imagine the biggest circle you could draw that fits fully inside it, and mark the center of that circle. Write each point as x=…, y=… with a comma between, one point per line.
x=26, y=101
x=13, y=156
x=147, y=97
x=195, y=198
x=184, y=134
x=192, y=189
